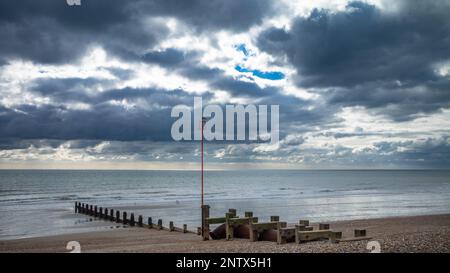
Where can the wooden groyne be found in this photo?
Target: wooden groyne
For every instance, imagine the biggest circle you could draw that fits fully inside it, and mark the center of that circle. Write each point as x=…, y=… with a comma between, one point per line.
x=254, y=230
x=274, y=229
x=127, y=218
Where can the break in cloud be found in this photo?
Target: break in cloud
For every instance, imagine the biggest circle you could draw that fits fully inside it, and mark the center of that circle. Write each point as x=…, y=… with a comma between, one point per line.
x=360, y=84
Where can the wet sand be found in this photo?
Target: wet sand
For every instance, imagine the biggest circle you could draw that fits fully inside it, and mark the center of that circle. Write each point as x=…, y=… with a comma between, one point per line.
x=430, y=233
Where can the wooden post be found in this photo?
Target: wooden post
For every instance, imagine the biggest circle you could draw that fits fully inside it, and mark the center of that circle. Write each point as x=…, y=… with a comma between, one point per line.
x=303, y=223
x=140, y=221
x=111, y=215
x=95, y=211
x=300, y=228
x=124, y=218
x=253, y=233
x=205, y=224
x=335, y=236
x=91, y=210
x=118, y=216
x=149, y=221
x=76, y=207
x=248, y=214
x=106, y=215
x=160, y=225
x=100, y=214
x=132, y=219
x=229, y=229
x=184, y=228
x=324, y=226
x=279, y=237
x=283, y=233
x=171, y=227
x=304, y=228
x=360, y=232
x=233, y=213
x=274, y=218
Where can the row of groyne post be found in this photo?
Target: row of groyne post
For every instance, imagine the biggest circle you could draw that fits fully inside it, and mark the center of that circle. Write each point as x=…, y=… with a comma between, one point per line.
x=233, y=226
x=126, y=218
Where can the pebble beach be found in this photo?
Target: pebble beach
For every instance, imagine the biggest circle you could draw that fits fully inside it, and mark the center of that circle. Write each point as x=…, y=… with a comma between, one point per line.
x=415, y=234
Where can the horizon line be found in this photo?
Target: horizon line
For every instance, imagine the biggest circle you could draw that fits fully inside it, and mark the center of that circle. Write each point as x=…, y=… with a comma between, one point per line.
x=228, y=169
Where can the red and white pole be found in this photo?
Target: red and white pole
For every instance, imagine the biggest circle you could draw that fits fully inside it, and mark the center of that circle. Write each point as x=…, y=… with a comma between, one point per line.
x=203, y=124
x=204, y=210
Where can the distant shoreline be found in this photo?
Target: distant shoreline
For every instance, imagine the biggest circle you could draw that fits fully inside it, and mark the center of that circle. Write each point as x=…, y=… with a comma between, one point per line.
x=206, y=169
x=425, y=233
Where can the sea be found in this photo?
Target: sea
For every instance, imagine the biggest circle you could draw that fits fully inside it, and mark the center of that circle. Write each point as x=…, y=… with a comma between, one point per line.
x=36, y=203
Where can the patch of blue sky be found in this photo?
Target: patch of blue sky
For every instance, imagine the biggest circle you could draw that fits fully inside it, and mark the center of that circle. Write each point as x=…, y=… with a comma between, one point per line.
x=271, y=75
x=242, y=48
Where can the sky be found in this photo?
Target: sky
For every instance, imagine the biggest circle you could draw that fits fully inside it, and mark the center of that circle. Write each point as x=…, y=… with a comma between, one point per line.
x=360, y=84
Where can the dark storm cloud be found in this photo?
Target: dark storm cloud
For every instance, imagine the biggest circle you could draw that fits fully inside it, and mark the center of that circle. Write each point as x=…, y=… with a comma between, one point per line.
x=77, y=90
x=214, y=14
x=363, y=44
x=399, y=102
x=39, y=40
x=430, y=152
x=3, y=62
x=52, y=32
x=163, y=98
x=168, y=57
x=201, y=72
x=103, y=121
x=106, y=122
x=293, y=111
x=243, y=88
x=65, y=91
x=187, y=64
x=49, y=31
x=365, y=56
